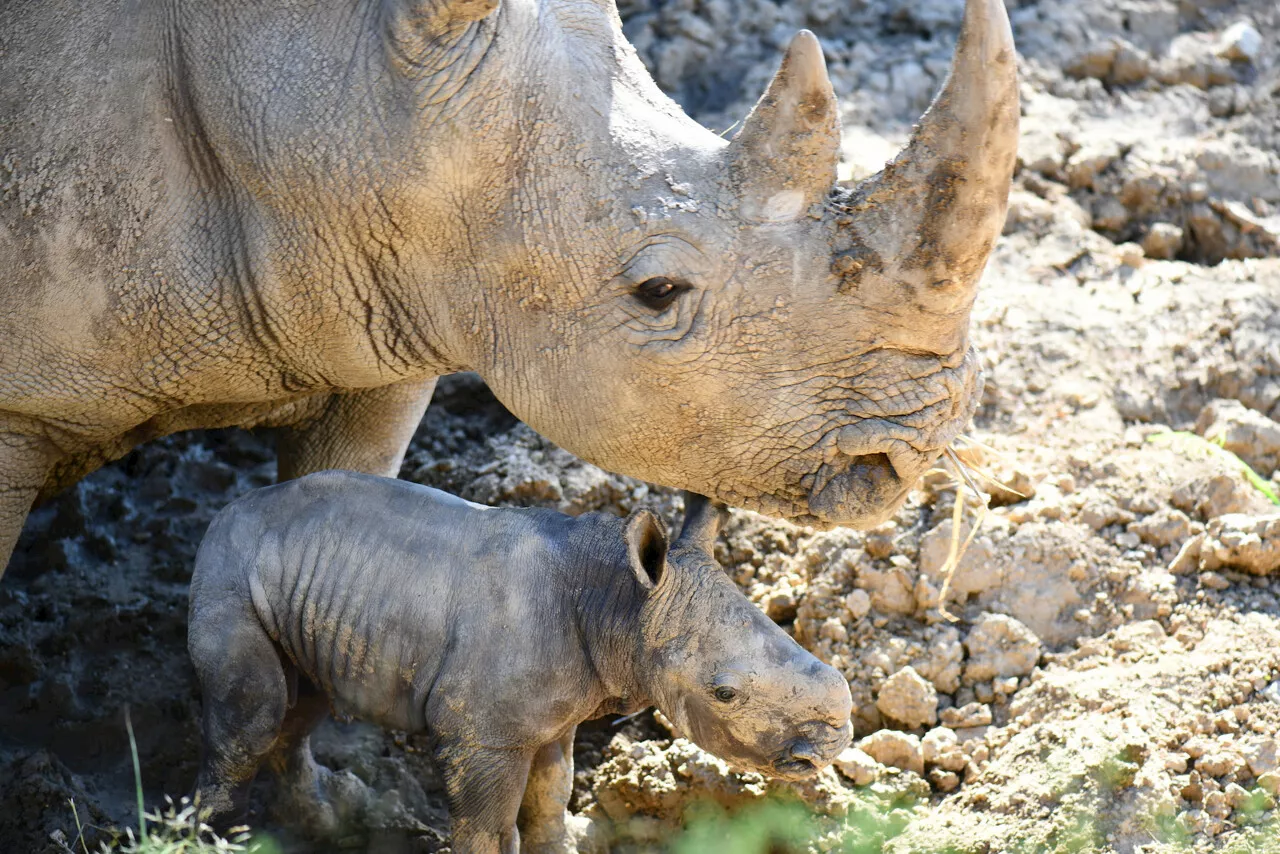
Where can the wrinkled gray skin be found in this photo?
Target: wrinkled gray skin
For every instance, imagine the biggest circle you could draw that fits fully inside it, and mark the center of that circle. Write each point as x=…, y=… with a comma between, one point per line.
x=300, y=214
x=495, y=630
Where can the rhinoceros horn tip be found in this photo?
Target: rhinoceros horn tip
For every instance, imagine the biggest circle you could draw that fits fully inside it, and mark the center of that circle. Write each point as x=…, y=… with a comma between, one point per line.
x=936, y=210
x=784, y=158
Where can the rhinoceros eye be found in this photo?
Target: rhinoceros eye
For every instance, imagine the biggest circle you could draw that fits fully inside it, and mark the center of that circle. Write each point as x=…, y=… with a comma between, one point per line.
x=659, y=292
x=725, y=694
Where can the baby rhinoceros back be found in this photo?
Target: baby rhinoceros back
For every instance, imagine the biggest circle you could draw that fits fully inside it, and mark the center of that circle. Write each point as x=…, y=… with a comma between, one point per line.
x=496, y=631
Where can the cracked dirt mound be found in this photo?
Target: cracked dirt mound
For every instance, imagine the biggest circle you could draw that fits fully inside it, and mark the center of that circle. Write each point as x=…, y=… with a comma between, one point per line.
x=1112, y=680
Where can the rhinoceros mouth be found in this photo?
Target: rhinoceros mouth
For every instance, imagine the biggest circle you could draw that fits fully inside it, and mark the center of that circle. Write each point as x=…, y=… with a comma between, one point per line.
x=863, y=492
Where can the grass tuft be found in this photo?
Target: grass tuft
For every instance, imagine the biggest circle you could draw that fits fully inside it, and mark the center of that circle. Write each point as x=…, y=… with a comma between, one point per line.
x=177, y=829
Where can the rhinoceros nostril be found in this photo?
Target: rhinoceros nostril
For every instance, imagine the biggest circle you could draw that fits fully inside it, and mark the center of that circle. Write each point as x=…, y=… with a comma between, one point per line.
x=873, y=469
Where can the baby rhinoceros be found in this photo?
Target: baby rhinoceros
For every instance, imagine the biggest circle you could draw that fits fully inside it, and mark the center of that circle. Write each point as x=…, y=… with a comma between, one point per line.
x=494, y=630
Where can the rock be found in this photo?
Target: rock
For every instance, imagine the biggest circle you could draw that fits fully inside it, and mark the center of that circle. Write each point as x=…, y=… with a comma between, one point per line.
x=1000, y=646
x=911, y=83
x=937, y=742
x=1219, y=764
x=1245, y=432
x=1144, y=635
x=1109, y=214
x=1262, y=756
x=890, y=590
x=1188, y=557
x=780, y=604
x=943, y=780
x=1240, y=42
x=1042, y=151
x=1028, y=211
x=1272, y=692
x=895, y=749
x=1227, y=101
x=1128, y=540
x=858, y=604
x=1098, y=515
x=1191, y=59
x=1130, y=255
x=833, y=630
x=909, y=699
x=927, y=15
x=650, y=779
x=970, y=715
x=1166, y=527
x=1249, y=543
x=1090, y=161
x=1129, y=65
x=1215, y=495
x=1270, y=782
x=943, y=659
x=1162, y=241
x=978, y=570
x=1096, y=61
x=1214, y=581
x=857, y=766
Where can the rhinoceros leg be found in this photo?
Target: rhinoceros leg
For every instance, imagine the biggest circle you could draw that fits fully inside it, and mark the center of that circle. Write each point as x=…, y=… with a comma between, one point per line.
x=366, y=431
x=24, y=465
x=484, y=787
x=543, y=812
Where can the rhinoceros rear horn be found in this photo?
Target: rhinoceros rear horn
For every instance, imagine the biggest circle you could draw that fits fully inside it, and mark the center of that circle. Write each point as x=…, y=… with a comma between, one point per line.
x=784, y=158
x=926, y=224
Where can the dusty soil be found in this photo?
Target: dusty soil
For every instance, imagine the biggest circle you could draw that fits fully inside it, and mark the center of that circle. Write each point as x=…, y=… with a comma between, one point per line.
x=1111, y=681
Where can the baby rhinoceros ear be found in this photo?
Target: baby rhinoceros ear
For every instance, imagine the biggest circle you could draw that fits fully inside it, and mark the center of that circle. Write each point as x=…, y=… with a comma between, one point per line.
x=646, y=539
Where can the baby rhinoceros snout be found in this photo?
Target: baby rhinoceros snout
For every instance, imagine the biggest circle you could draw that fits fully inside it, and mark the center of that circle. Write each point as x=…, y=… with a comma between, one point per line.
x=819, y=740
x=816, y=748
x=832, y=701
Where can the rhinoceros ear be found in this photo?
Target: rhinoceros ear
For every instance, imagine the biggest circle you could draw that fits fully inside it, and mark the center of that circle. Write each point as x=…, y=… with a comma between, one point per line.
x=437, y=18
x=702, y=521
x=784, y=159
x=646, y=539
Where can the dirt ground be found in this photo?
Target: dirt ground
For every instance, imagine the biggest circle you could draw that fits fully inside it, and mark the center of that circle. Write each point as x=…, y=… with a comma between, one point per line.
x=1111, y=681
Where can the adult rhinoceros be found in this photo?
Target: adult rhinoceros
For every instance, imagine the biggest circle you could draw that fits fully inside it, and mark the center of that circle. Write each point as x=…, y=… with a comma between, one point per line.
x=270, y=212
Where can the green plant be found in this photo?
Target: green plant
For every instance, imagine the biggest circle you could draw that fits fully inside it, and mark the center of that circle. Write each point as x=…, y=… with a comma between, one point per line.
x=1193, y=446
x=771, y=827
x=175, y=830
x=784, y=826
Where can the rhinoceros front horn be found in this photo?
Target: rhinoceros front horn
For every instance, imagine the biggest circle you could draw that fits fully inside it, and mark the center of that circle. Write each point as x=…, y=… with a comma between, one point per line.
x=784, y=158
x=922, y=228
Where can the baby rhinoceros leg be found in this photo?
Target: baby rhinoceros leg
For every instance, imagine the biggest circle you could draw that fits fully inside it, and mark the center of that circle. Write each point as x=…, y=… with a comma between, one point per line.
x=245, y=697
x=544, y=814
x=308, y=795
x=484, y=787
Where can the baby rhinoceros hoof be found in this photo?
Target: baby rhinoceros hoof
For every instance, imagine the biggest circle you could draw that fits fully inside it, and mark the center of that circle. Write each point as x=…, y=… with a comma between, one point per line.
x=326, y=805
x=578, y=835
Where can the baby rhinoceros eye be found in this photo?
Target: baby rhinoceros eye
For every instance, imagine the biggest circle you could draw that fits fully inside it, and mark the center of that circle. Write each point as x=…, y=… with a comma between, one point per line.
x=724, y=693
x=659, y=292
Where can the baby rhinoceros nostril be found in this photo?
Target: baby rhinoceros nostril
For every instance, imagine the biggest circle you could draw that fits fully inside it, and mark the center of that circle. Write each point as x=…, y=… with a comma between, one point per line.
x=804, y=749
